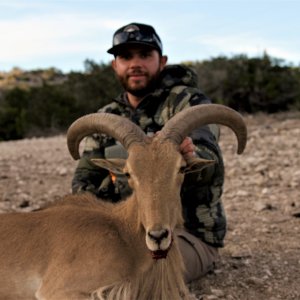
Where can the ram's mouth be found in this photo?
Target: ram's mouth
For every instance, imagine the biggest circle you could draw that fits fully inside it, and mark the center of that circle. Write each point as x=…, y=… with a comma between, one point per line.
x=159, y=254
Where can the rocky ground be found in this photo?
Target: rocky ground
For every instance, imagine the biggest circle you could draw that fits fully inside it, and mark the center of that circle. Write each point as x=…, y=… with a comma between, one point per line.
x=261, y=259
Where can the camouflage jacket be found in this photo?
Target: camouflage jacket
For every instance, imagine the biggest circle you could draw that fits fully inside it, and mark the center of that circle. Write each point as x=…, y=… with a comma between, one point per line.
x=201, y=199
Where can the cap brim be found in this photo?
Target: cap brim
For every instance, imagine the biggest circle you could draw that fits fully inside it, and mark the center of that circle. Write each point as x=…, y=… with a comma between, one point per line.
x=116, y=49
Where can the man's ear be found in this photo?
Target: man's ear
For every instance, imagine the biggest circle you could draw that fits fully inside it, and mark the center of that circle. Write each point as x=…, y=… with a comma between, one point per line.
x=196, y=164
x=163, y=61
x=113, y=64
x=114, y=165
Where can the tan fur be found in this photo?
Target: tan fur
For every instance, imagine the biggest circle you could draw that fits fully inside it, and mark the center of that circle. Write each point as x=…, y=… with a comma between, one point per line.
x=83, y=248
x=160, y=282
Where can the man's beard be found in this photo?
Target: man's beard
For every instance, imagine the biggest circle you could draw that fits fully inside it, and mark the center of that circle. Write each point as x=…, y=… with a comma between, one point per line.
x=143, y=90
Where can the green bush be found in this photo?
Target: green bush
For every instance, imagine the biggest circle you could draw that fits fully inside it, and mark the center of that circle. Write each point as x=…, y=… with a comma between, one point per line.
x=251, y=84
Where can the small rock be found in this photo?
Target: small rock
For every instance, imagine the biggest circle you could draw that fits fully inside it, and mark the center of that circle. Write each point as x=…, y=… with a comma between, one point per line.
x=268, y=272
x=260, y=206
x=62, y=171
x=242, y=193
x=210, y=297
x=241, y=254
x=217, y=292
x=255, y=281
x=296, y=214
x=24, y=204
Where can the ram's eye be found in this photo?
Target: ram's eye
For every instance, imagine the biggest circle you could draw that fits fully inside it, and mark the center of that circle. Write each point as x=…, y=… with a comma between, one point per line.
x=182, y=169
x=127, y=174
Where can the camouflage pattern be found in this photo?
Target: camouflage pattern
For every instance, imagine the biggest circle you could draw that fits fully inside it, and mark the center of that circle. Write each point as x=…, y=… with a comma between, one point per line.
x=201, y=196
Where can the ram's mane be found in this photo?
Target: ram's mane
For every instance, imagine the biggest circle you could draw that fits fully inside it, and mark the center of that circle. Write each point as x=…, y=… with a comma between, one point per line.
x=163, y=280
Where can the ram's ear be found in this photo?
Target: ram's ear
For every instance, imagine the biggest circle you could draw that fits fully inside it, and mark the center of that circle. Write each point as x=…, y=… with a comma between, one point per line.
x=114, y=165
x=196, y=164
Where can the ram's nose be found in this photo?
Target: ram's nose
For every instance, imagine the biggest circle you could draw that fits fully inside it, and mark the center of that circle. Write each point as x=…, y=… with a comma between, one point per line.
x=158, y=239
x=159, y=235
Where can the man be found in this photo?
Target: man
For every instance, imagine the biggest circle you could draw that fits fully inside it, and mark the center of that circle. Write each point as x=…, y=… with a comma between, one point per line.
x=154, y=92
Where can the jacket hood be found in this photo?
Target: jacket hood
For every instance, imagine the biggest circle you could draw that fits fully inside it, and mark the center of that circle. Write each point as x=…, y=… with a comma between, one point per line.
x=173, y=75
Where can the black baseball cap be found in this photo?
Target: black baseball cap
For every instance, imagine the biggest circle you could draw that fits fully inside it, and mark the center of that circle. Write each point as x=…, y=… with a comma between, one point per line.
x=135, y=33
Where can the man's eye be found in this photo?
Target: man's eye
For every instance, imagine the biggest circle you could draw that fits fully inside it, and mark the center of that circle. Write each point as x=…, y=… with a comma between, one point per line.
x=145, y=54
x=125, y=56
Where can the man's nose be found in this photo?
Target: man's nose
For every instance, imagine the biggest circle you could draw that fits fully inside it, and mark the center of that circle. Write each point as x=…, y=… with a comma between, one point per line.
x=136, y=61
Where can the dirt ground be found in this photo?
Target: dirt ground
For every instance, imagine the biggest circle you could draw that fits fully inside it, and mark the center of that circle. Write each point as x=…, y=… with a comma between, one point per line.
x=261, y=257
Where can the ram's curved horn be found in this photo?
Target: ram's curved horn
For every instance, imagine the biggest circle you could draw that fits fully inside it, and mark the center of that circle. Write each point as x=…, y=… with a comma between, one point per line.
x=184, y=122
x=116, y=126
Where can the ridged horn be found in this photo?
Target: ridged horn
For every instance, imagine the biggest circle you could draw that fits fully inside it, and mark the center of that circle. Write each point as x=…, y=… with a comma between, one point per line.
x=116, y=126
x=184, y=122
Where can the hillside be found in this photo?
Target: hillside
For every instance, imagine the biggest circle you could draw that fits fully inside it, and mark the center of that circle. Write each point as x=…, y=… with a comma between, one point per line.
x=17, y=78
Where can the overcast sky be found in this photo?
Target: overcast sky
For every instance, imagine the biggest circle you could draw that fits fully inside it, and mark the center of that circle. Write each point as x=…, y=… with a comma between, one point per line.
x=64, y=33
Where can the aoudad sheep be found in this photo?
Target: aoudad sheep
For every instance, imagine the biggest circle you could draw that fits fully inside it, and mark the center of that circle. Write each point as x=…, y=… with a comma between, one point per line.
x=83, y=248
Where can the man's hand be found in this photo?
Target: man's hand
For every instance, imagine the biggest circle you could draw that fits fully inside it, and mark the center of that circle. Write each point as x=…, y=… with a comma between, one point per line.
x=187, y=148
